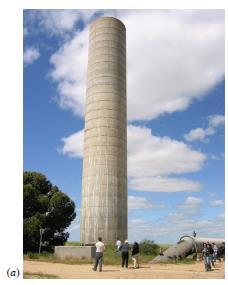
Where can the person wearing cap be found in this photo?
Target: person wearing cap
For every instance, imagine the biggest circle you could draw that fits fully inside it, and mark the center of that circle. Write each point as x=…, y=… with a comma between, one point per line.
x=125, y=253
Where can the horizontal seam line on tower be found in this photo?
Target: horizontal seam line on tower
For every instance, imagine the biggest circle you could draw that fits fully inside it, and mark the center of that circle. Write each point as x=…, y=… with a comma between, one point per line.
x=116, y=119
x=95, y=155
x=93, y=29
x=101, y=73
x=106, y=62
x=106, y=76
x=119, y=110
x=95, y=33
x=105, y=69
x=106, y=170
x=87, y=138
x=122, y=97
x=93, y=82
x=115, y=146
x=119, y=56
x=96, y=60
x=98, y=101
x=120, y=44
x=110, y=50
x=106, y=127
x=94, y=85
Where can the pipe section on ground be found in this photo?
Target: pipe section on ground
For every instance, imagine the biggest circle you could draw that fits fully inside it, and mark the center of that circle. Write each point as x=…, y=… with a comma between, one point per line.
x=185, y=246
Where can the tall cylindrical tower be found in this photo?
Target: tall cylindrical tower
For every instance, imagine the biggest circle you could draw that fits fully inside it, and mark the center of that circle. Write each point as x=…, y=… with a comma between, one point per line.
x=104, y=185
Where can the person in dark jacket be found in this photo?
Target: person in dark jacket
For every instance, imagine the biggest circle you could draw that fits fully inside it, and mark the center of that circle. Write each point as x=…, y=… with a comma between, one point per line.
x=135, y=254
x=221, y=252
x=125, y=254
x=206, y=257
x=211, y=251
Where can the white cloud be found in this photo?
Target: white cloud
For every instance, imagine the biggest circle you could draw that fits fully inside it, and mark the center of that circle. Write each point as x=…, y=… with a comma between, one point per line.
x=69, y=70
x=217, y=203
x=191, y=202
x=202, y=134
x=150, y=160
x=141, y=203
x=163, y=184
x=149, y=155
x=216, y=120
x=191, y=206
x=198, y=134
x=56, y=22
x=31, y=54
x=170, y=228
x=73, y=145
x=173, y=57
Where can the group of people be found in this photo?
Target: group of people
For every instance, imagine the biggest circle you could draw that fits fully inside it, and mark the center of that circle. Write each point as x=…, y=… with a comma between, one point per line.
x=210, y=254
x=122, y=249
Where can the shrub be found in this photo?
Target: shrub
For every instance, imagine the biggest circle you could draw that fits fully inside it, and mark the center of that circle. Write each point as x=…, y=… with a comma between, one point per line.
x=148, y=247
x=32, y=255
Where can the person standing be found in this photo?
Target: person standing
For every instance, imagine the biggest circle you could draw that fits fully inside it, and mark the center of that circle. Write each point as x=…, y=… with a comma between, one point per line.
x=118, y=245
x=211, y=251
x=135, y=255
x=215, y=251
x=125, y=254
x=100, y=248
x=206, y=257
x=161, y=251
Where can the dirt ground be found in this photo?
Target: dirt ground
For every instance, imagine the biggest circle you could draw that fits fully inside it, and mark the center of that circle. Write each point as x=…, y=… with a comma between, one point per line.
x=146, y=271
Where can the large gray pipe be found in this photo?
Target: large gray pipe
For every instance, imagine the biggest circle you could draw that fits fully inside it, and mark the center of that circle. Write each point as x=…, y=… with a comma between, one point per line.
x=185, y=246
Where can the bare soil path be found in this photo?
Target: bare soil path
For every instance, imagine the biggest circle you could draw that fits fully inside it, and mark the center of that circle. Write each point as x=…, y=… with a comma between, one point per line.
x=147, y=271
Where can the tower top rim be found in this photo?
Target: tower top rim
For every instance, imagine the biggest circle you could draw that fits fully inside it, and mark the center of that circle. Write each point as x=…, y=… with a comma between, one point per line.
x=107, y=18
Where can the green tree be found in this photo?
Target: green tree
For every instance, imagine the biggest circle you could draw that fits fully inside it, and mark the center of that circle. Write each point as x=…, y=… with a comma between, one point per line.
x=45, y=206
x=148, y=247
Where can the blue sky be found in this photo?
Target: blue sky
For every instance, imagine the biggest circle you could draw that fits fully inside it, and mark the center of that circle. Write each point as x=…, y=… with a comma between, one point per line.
x=175, y=74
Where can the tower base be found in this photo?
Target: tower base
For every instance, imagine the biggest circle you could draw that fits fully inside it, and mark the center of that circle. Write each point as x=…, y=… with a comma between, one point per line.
x=78, y=252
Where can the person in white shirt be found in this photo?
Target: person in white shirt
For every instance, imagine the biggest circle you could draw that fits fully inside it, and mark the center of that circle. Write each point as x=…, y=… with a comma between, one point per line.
x=215, y=251
x=118, y=244
x=100, y=248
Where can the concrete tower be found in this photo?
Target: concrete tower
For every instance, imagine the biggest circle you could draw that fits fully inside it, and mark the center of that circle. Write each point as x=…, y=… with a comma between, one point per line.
x=104, y=182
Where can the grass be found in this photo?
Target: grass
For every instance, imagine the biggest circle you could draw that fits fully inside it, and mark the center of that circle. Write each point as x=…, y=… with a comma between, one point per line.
x=38, y=275
x=165, y=246
x=110, y=257
x=72, y=243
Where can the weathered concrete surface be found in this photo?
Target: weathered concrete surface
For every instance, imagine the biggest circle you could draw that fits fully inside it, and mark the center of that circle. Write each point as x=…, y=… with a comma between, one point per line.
x=104, y=182
x=80, y=252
